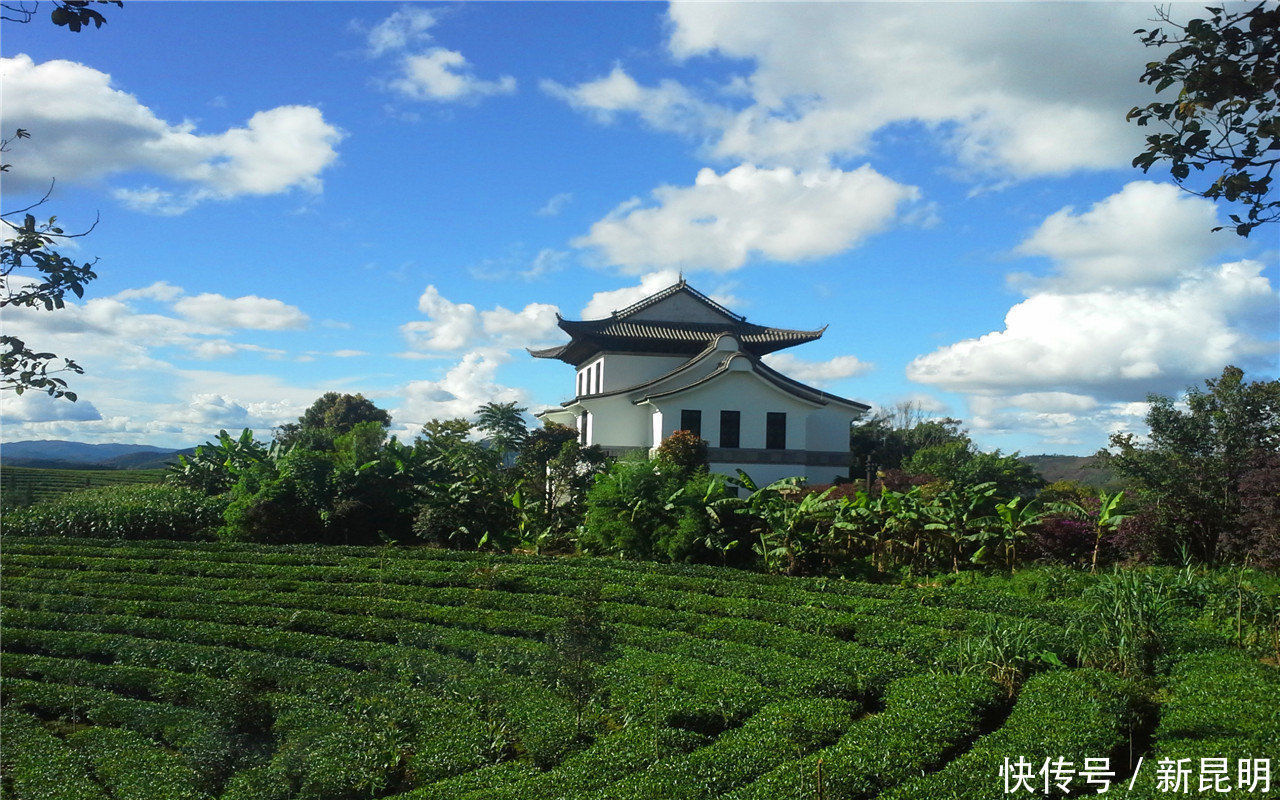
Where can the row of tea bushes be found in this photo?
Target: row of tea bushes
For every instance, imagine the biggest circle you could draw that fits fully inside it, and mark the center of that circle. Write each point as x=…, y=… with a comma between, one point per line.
x=925, y=718
x=1222, y=705
x=1076, y=714
x=38, y=764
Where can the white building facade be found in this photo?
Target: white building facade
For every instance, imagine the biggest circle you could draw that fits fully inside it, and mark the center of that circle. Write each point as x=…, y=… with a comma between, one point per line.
x=678, y=360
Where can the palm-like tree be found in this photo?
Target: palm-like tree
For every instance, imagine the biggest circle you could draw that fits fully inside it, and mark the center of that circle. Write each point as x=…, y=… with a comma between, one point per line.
x=504, y=424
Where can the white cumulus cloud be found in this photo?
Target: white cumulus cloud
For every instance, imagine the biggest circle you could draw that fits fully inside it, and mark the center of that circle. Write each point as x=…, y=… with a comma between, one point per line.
x=451, y=326
x=467, y=385
x=83, y=129
x=445, y=76
x=1004, y=88
x=818, y=373
x=1111, y=343
x=1145, y=234
x=724, y=220
x=250, y=312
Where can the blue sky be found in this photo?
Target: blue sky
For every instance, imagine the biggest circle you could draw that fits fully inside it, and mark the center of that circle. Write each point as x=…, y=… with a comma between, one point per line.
x=396, y=199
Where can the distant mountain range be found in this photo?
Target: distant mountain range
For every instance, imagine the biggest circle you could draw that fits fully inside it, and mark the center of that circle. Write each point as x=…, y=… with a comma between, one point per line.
x=78, y=455
x=1080, y=469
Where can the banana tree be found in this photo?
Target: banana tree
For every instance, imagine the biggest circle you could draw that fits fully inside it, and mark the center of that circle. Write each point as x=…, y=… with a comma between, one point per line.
x=788, y=527
x=1013, y=523
x=1106, y=518
x=722, y=509
x=215, y=466
x=959, y=516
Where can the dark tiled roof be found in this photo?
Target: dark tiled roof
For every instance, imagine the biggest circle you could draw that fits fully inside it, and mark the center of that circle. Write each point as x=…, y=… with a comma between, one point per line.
x=620, y=331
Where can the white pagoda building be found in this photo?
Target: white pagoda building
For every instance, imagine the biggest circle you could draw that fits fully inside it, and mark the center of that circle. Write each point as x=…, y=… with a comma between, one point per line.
x=678, y=360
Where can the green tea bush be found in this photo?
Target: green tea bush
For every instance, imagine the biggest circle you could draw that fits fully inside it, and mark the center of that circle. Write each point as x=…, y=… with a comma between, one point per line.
x=778, y=732
x=925, y=718
x=1076, y=714
x=132, y=767
x=1221, y=705
x=39, y=765
x=121, y=512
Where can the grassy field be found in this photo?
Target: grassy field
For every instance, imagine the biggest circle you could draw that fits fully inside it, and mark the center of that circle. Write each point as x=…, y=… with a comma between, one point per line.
x=22, y=485
x=198, y=670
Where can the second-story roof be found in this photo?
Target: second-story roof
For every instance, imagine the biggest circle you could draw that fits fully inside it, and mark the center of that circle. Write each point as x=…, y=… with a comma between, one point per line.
x=678, y=320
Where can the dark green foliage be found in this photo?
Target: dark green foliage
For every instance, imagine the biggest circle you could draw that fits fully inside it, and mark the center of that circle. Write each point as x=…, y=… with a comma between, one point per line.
x=553, y=474
x=961, y=463
x=1221, y=705
x=892, y=436
x=255, y=672
x=464, y=500
x=503, y=423
x=37, y=764
x=925, y=718
x=330, y=416
x=132, y=767
x=125, y=512
x=1190, y=471
x=656, y=510
x=1224, y=117
x=778, y=732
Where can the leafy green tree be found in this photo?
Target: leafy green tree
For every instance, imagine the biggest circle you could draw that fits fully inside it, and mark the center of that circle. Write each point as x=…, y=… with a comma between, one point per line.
x=330, y=416
x=1223, y=121
x=575, y=651
x=1188, y=471
x=893, y=435
x=440, y=435
x=504, y=425
x=961, y=515
x=1014, y=522
x=553, y=474
x=652, y=509
x=961, y=462
x=33, y=274
x=465, y=500
x=791, y=524
x=218, y=465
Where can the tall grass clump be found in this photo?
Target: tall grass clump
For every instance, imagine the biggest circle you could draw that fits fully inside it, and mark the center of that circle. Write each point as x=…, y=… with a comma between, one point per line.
x=120, y=512
x=1124, y=622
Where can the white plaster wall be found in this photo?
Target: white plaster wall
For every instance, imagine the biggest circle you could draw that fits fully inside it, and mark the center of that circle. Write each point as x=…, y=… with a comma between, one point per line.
x=828, y=428
x=623, y=370
x=617, y=422
x=762, y=474
x=765, y=474
x=743, y=392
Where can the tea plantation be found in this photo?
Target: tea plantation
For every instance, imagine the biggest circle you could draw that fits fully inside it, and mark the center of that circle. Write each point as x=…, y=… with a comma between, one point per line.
x=24, y=485
x=198, y=670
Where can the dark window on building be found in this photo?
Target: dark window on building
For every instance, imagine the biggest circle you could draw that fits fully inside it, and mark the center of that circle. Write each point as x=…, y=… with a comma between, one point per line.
x=730, y=425
x=691, y=421
x=775, y=430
